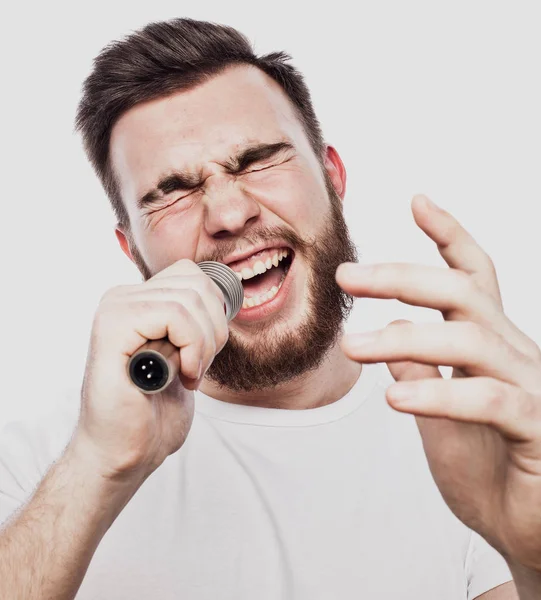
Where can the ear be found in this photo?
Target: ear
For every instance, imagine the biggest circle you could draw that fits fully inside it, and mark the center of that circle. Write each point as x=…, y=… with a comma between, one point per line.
x=123, y=238
x=336, y=170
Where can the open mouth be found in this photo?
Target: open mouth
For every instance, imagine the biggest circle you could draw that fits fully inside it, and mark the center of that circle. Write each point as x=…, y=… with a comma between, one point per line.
x=263, y=281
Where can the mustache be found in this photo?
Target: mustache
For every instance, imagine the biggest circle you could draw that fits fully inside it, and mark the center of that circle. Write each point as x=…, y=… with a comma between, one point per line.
x=261, y=235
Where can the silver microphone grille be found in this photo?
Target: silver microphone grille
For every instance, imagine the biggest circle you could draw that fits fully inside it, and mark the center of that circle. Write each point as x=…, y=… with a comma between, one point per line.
x=228, y=282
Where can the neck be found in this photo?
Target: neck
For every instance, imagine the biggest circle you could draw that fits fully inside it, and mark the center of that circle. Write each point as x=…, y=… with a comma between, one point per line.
x=332, y=380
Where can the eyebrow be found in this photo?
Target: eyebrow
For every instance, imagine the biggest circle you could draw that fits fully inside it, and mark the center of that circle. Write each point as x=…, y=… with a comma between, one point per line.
x=254, y=154
x=184, y=181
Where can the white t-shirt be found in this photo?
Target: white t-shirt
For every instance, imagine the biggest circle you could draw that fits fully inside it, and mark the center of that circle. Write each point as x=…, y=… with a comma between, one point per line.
x=335, y=502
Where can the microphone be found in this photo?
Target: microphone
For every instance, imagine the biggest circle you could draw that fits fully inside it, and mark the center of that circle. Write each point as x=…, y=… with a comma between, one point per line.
x=153, y=367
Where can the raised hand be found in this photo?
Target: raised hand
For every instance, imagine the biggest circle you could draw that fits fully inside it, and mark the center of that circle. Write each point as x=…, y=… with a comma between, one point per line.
x=481, y=428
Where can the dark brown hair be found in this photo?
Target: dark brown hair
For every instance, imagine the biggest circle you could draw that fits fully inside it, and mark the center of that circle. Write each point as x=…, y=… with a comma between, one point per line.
x=163, y=58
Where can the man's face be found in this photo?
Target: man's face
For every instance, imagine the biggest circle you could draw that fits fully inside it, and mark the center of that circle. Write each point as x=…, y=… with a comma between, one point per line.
x=223, y=170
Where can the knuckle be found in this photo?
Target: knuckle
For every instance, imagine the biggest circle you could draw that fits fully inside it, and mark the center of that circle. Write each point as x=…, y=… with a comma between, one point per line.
x=475, y=334
x=177, y=308
x=529, y=408
x=143, y=306
x=530, y=350
x=105, y=313
x=535, y=386
x=495, y=397
x=101, y=318
x=105, y=297
x=166, y=306
x=200, y=343
x=489, y=263
x=107, y=322
x=212, y=288
x=207, y=284
x=196, y=298
x=186, y=265
x=465, y=286
x=536, y=352
x=190, y=296
x=112, y=293
x=183, y=266
x=163, y=291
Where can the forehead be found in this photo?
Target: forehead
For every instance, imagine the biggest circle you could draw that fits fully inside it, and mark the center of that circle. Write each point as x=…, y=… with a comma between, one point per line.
x=206, y=123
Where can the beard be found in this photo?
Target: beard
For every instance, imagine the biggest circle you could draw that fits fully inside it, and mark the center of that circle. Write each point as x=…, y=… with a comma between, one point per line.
x=271, y=358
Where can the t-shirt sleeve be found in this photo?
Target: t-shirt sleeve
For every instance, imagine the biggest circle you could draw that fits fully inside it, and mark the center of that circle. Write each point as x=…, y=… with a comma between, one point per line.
x=485, y=567
x=28, y=448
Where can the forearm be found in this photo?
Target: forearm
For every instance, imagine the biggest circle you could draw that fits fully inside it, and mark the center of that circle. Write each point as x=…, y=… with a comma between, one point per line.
x=46, y=548
x=527, y=582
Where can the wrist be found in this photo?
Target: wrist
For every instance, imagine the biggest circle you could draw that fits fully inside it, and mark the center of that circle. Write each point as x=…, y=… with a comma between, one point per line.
x=110, y=471
x=105, y=492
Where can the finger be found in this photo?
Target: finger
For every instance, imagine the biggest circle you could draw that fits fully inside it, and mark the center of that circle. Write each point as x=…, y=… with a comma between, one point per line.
x=164, y=319
x=407, y=370
x=433, y=431
x=180, y=269
x=200, y=281
x=446, y=290
x=460, y=251
x=484, y=400
x=450, y=291
x=206, y=288
x=197, y=309
x=457, y=247
x=465, y=345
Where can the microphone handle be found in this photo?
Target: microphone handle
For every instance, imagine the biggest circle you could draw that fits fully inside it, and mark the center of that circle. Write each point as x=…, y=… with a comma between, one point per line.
x=154, y=366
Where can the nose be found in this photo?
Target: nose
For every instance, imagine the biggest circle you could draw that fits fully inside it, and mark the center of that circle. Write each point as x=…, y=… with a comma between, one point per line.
x=229, y=209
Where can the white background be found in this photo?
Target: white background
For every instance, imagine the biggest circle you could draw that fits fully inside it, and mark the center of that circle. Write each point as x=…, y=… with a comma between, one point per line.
x=435, y=97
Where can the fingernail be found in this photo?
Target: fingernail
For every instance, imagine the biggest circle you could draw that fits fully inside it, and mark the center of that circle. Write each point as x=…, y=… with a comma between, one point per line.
x=429, y=202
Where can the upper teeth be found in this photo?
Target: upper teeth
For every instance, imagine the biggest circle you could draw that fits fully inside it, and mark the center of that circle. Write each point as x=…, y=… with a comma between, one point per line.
x=259, y=267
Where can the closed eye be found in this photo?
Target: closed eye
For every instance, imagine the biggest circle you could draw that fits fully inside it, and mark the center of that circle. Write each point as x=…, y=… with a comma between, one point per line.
x=183, y=197
x=162, y=203
x=253, y=170
x=257, y=168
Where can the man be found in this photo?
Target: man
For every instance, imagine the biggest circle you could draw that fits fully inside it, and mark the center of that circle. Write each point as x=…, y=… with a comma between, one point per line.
x=273, y=467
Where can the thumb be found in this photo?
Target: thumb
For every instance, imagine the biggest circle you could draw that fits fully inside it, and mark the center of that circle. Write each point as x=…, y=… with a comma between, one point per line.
x=408, y=370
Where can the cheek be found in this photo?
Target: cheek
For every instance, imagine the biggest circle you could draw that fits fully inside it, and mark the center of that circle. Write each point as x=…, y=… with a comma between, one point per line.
x=291, y=194
x=169, y=236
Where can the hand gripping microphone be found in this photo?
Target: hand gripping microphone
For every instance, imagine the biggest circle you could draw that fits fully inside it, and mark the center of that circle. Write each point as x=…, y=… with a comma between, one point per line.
x=153, y=367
